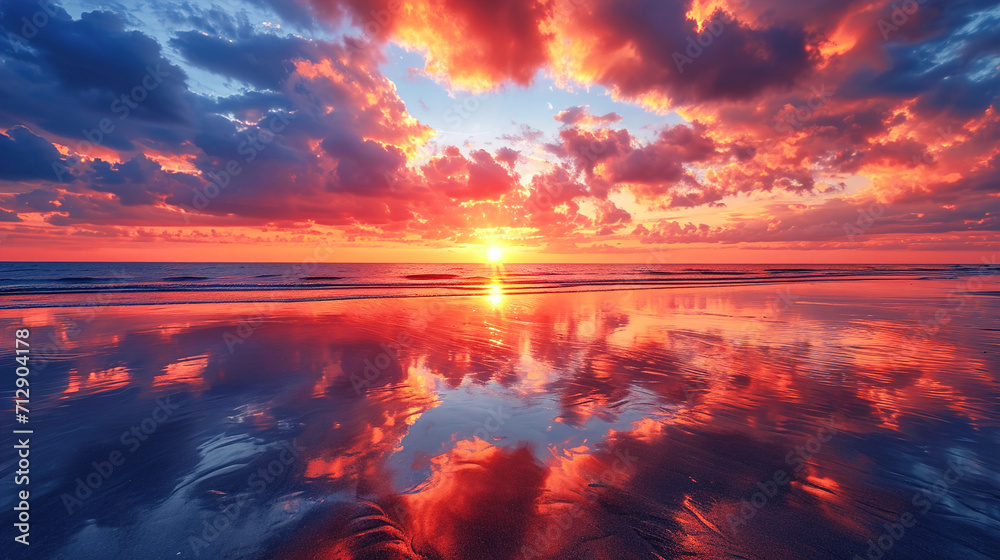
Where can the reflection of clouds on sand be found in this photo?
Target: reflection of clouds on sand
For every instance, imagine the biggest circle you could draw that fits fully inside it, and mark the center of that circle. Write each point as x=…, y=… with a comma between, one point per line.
x=479, y=498
x=672, y=378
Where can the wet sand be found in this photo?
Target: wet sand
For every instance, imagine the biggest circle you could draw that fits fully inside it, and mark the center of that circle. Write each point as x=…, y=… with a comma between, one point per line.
x=810, y=420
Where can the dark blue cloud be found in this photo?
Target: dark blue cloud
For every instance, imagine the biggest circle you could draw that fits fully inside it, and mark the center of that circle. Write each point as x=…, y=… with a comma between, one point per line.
x=133, y=182
x=299, y=14
x=252, y=102
x=212, y=20
x=362, y=164
x=945, y=55
x=26, y=156
x=38, y=200
x=68, y=77
x=260, y=60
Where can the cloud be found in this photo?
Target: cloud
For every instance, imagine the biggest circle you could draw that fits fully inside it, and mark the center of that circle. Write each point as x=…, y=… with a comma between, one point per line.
x=27, y=156
x=651, y=52
x=473, y=45
x=478, y=177
x=660, y=165
x=38, y=200
x=795, y=117
x=263, y=61
x=580, y=115
x=8, y=216
x=75, y=75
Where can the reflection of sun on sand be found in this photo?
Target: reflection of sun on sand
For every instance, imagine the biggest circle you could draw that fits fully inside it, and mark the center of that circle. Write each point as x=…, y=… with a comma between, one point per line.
x=495, y=293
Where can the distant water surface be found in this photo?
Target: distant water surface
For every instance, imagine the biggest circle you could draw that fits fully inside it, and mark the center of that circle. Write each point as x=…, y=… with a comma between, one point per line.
x=75, y=284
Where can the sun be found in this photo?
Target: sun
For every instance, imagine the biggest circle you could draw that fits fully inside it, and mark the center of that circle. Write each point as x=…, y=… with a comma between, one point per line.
x=494, y=254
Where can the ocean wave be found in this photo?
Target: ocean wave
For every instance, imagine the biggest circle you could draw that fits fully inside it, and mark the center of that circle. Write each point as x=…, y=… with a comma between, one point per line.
x=431, y=276
x=143, y=281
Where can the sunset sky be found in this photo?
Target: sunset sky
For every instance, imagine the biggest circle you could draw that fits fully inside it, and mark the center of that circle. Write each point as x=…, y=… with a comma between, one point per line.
x=692, y=131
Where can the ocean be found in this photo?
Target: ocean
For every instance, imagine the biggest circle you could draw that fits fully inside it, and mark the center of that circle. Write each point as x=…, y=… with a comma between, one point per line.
x=274, y=412
x=24, y=285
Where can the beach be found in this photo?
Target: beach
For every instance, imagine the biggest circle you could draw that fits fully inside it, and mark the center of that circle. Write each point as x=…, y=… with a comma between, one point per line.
x=800, y=418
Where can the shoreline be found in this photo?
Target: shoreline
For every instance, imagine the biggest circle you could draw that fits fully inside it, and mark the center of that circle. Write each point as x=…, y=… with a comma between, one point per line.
x=507, y=290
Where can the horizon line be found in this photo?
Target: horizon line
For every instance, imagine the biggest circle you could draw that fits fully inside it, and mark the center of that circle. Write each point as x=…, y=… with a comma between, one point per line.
x=505, y=264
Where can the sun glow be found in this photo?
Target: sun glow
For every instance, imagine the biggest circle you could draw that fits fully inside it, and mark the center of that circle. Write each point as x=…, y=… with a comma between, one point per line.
x=494, y=254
